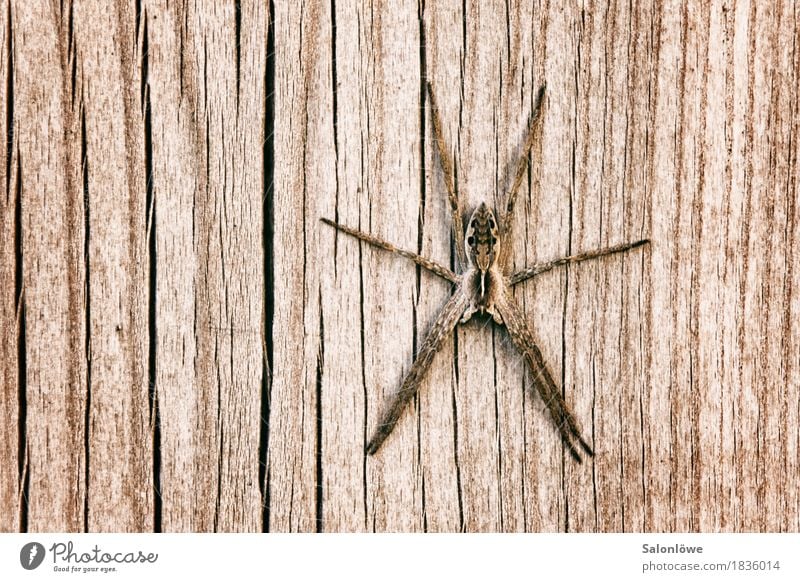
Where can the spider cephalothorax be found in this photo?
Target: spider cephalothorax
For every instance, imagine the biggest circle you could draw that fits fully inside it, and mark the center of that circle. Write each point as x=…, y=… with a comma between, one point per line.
x=481, y=238
x=484, y=286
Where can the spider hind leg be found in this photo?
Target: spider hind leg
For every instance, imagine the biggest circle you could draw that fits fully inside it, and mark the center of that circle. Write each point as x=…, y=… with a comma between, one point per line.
x=542, y=379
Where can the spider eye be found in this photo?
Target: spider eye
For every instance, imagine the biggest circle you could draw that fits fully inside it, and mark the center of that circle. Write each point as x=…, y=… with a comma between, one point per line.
x=470, y=240
x=491, y=223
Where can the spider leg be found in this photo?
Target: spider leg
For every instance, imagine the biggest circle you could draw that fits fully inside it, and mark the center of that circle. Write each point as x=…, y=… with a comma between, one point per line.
x=431, y=266
x=529, y=272
x=522, y=167
x=441, y=328
x=447, y=169
x=546, y=386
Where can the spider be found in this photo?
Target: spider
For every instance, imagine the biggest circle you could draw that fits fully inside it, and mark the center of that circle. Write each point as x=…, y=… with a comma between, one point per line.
x=484, y=287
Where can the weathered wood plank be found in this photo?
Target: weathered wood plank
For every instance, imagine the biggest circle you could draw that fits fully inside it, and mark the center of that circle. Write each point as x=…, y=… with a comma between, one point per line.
x=604, y=361
x=768, y=328
x=344, y=388
x=231, y=246
x=54, y=252
x=391, y=210
x=206, y=96
x=480, y=169
x=728, y=233
x=442, y=478
x=11, y=468
x=188, y=471
x=292, y=470
x=185, y=426
x=542, y=231
x=120, y=475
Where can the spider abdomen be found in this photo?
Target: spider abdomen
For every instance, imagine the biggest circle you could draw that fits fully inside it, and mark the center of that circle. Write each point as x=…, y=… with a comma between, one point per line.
x=483, y=288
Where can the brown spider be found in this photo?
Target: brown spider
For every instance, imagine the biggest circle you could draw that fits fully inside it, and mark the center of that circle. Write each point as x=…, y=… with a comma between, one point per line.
x=484, y=287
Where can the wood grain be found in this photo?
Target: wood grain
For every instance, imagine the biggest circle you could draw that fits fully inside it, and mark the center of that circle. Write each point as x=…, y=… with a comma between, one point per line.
x=53, y=223
x=120, y=492
x=206, y=117
x=11, y=467
x=186, y=347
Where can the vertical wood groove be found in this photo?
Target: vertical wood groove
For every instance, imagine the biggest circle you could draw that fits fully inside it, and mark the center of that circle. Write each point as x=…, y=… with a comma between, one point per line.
x=268, y=234
x=87, y=347
x=152, y=268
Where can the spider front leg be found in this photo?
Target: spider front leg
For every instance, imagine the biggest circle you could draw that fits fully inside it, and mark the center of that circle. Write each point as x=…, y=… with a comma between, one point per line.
x=449, y=180
x=444, y=324
x=529, y=272
x=545, y=385
x=522, y=167
x=431, y=266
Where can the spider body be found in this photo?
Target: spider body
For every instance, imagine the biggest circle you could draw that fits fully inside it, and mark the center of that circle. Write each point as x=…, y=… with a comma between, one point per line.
x=482, y=279
x=481, y=238
x=484, y=286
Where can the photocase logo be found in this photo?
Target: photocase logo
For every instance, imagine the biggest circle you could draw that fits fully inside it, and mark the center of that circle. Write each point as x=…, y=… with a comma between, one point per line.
x=66, y=557
x=31, y=555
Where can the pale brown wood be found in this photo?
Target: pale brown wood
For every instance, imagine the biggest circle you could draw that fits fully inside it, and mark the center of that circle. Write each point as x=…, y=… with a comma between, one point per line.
x=186, y=347
x=188, y=471
x=47, y=124
x=91, y=158
x=343, y=500
x=11, y=469
x=206, y=94
x=119, y=442
x=296, y=326
x=394, y=488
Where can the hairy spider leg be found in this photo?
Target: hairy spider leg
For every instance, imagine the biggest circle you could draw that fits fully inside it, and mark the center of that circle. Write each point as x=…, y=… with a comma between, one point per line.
x=423, y=262
x=522, y=168
x=449, y=180
x=532, y=271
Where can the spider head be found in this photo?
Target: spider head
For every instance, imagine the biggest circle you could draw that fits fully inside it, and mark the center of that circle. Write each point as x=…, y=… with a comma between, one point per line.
x=481, y=238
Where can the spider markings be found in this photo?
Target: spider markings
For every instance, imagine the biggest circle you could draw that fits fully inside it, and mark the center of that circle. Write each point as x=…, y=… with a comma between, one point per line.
x=483, y=287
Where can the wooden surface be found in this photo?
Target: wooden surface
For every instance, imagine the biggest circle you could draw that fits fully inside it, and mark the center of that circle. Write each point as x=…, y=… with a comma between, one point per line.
x=185, y=347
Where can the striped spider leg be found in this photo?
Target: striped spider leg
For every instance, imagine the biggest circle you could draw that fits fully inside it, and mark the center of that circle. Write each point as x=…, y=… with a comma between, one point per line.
x=484, y=288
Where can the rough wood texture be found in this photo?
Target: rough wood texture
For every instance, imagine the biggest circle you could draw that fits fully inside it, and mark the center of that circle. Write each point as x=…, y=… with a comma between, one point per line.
x=186, y=347
x=53, y=254
x=205, y=116
x=10, y=288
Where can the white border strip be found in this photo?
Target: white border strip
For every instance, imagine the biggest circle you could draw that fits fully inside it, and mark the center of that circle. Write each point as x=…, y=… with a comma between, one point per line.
x=401, y=557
